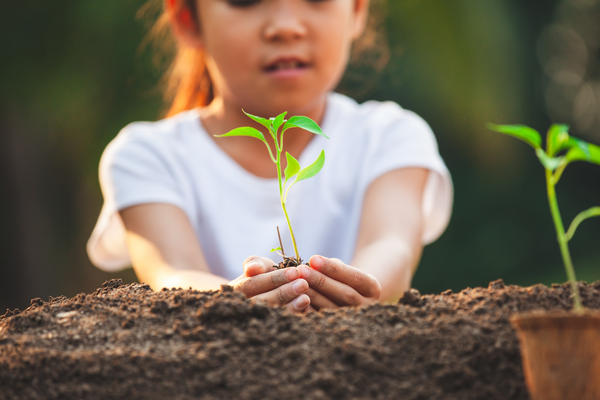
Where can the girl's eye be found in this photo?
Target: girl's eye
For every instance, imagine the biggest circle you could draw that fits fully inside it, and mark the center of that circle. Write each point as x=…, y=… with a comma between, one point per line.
x=242, y=3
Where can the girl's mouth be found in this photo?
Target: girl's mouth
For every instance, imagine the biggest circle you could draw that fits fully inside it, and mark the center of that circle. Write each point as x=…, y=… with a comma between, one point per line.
x=287, y=68
x=286, y=65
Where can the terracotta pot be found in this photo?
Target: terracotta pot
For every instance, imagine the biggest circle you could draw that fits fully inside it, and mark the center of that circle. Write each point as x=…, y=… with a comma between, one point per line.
x=561, y=354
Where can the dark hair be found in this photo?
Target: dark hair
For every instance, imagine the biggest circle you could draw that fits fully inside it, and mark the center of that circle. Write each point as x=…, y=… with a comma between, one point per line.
x=186, y=83
x=370, y=54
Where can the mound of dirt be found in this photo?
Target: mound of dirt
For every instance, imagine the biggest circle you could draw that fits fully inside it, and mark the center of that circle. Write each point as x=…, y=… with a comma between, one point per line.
x=129, y=342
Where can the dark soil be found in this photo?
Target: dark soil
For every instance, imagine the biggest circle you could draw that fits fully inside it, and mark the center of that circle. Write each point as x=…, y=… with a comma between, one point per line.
x=129, y=342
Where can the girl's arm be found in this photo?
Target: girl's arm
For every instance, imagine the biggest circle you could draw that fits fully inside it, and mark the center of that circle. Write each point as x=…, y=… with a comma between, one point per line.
x=389, y=244
x=165, y=252
x=163, y=248
x=388, y=247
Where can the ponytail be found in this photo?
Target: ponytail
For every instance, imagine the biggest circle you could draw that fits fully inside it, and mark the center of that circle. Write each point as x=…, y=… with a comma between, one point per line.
x=186, y=83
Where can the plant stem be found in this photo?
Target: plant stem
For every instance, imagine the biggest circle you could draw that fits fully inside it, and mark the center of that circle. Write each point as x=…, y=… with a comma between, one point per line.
x=291, y=231
x=281, y=197
x=582, y=216
x=562, y=241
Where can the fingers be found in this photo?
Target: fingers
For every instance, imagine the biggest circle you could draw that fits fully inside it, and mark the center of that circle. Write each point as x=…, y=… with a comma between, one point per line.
x=253, y=265
x=276, y=287
x=300, y=304
x=338, y=292
x=262, y=283
x=365, y=284
x=257, y=265
x=318, y=301
x=291, y=295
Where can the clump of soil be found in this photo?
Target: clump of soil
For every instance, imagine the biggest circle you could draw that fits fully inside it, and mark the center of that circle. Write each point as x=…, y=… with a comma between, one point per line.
x=129, y=342
x=289, y=262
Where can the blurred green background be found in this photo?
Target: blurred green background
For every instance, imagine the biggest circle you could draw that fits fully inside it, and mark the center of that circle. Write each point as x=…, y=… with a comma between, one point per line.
x=72, y=74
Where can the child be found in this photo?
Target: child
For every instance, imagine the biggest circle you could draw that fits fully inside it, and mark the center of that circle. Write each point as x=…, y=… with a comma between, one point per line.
x=187, y=209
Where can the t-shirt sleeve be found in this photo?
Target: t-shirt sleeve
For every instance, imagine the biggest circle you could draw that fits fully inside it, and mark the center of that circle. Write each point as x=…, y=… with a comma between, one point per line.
x=402, y=139
x=135, y=168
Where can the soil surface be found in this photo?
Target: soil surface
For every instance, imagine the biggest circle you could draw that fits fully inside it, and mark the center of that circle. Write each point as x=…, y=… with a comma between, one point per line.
x=129, y=342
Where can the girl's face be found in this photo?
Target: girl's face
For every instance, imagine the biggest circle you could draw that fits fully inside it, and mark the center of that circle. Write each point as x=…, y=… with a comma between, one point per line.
x=269, y=56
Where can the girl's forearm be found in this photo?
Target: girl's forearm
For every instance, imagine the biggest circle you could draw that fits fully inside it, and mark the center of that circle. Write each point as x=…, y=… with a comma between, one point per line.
x=392, y=262
x=198, y=280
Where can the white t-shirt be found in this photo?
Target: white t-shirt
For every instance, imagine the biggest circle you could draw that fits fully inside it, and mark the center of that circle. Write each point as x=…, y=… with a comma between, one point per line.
x=235, y=213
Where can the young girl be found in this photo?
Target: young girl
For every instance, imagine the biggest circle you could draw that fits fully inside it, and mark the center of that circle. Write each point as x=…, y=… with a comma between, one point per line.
x=187, y=209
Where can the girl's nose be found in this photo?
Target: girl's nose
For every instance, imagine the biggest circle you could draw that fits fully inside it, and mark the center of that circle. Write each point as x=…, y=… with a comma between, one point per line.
x=284, y=22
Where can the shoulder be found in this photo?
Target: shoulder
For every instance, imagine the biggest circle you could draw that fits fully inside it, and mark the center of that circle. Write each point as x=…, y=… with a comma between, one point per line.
x=161, y=132
x=375, y=120
x=156, y=139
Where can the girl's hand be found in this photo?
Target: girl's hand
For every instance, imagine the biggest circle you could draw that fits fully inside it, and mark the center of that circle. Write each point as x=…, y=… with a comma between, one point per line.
x=276, y=287
x=334, y=284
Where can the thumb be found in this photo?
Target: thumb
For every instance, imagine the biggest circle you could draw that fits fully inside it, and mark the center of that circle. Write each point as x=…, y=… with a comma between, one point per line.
x=255, y=265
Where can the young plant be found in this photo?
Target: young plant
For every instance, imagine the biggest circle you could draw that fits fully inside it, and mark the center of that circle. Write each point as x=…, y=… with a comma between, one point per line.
x=293, y=173
x=561, y=149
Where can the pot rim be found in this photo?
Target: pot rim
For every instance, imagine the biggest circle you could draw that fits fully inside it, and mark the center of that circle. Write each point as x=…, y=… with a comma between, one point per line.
x=543, y=319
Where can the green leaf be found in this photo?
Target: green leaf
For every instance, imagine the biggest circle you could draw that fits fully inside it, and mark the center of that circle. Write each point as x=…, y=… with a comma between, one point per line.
x=557, y=139
x=578, y=151
x=292, y=168
x=278, y=121
x=550, y=163
x=583, y=151
x=275, y=249
x=584, y=146
x=304, y=123
x=245, y=131
x=312, y=169
x=525, y=133
x=263, y=121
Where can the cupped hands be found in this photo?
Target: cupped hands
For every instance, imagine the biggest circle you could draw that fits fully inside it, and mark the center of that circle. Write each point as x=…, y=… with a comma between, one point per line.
x=324, y=283
x=276, y=287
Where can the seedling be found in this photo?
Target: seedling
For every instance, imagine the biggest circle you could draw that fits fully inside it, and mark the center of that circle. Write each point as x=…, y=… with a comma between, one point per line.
x=293, y=173
x=561, y=149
